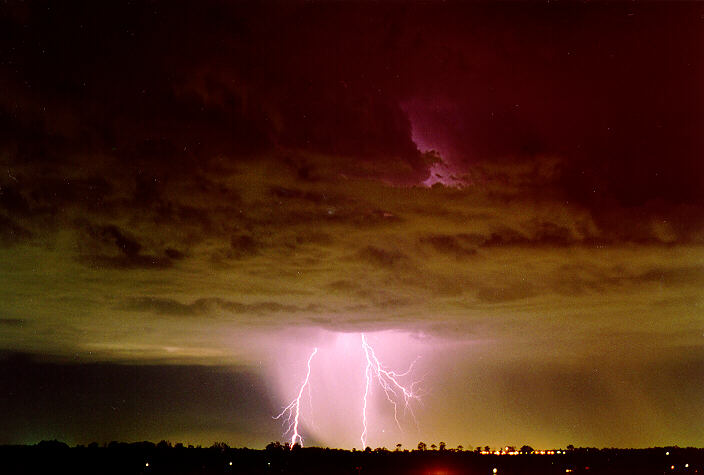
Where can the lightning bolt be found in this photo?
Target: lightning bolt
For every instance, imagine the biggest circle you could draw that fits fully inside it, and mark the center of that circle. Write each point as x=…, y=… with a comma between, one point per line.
x=291, y=413
x=388, y=380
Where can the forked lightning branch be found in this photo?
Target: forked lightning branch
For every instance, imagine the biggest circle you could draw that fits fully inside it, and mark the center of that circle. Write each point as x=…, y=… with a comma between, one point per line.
x=396, y=393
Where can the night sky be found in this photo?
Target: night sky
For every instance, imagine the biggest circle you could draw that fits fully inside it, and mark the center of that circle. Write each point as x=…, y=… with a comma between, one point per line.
x=508, y=197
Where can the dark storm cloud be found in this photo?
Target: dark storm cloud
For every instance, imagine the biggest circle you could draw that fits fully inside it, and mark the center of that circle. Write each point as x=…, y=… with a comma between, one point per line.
x=90, y=85
x=459, y=246
x=162, y=306
x=126, y=262
x=12, y=233
x=533, y=234
x=382, y=257
x=243, y=245
x=507, y=293
x=690, y=275
x=112, y=236
x=122, y=251
x=342, y=286
x=206, y=306
x=613, y=108
x=12, y=200
x=12, y=322
x=180, y=182
x=687, y=300
x=596, y=279
x=172, y=91
x=539, y=234
x=52, y=194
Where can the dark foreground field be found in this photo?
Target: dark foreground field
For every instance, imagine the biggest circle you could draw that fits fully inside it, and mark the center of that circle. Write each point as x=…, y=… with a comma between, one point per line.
x=146, y=458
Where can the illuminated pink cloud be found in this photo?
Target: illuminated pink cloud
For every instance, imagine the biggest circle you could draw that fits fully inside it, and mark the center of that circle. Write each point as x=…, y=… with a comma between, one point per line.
x=431, y=122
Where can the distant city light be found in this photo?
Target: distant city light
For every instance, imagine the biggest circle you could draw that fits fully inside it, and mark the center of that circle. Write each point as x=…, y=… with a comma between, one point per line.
x=230, y=463
x=146, y=464
x=495, y=470
x=518, y=452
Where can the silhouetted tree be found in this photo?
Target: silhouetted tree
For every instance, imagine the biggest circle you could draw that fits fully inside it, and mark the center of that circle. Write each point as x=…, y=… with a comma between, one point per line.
x=421, y=446
x=274, y=447
x=164, y=444
x=527, y=449
x=460, y=448
x=433, y=446
x=221, y=446
x=442, y=446
x=398, y=447
x=52, y=444
x=487, y=448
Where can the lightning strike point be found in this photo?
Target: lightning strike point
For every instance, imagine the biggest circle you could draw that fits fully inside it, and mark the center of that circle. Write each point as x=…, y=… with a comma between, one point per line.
x=291, y=413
